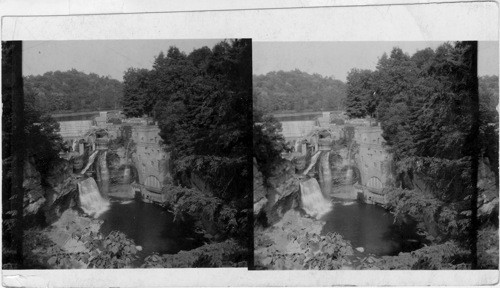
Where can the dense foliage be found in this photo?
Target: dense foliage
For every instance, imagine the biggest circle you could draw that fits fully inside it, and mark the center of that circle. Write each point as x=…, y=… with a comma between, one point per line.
x=424, y=104
x=298, y=91
x=135, y=87
x=448, y=256
x=73, y=91
x=202, y=103
x=268, y=142
x=42, y=141
x=359, y=96
x=227, y=219
x=222, y=254
x=112, y=251
x=427, y=105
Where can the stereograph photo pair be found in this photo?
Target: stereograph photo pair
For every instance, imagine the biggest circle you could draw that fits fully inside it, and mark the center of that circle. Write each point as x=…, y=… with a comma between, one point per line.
x=158, y=169
x=239, y=153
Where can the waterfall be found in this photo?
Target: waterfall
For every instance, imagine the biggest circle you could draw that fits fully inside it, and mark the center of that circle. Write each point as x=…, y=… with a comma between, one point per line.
x=91, y=160
x=126, y=171
x=90, y=200
x=126, y=175
x=349, y=176
x=349, y=172
x=73, y=145
x=313, y=201
x=349, y=153
x=103, y=173
x=314, y=159
x=297, y=145
x=325, y=174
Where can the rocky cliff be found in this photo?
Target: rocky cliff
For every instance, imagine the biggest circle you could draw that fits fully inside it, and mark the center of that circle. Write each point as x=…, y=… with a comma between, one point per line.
x=277, y=194
x=49, y=197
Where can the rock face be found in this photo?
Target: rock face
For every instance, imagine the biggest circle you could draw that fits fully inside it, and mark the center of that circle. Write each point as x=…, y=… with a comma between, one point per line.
x=488, y=198
x=259, y=190
x=54, y=195
x=34, y=196
x=277, y=195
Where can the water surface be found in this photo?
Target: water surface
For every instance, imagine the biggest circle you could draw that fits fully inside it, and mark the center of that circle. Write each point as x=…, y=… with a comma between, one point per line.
x=150, y=226
x=370, y=227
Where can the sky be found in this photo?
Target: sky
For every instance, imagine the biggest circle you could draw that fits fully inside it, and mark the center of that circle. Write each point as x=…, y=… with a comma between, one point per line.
x=103, y=57
x=334, y=59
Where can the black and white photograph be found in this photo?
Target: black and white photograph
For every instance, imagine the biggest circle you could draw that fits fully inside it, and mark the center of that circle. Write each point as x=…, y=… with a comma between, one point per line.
x=375, y=155
x=126, y=154
x=220, y=143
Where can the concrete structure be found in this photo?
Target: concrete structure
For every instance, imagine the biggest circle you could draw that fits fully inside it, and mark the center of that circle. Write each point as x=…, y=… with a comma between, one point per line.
x=101, y=120
x=374, y=162
x=74, y=129
x=150, y=159
x=370, y=156
x=323, y=120
x=293, y=130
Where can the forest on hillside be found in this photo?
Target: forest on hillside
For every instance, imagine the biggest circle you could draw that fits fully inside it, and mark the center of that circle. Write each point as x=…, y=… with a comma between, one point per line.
x=72, y=91
x=297, y=91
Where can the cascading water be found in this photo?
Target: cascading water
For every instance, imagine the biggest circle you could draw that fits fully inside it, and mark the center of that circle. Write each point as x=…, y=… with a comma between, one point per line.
x=325, y=173
x=91, y=160
x=91, y=200
x=313, y=201
x=297, y=145
x=349, y=172
x=103, y=176
x=314, y=159
x=126, y=171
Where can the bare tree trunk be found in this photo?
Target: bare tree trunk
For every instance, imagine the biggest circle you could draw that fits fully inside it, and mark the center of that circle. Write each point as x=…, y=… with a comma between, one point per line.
x=18, y=148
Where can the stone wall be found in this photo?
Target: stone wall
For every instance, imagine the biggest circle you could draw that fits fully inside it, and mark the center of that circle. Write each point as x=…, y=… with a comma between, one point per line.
x=150, y=157
x=74, y=129
x=372, y=158
x=296, y=129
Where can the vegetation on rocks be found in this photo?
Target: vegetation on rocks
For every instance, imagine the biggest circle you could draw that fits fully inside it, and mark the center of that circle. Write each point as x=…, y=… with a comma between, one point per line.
x=448, y=256
x=295, y=243
x=187, y=202
x=74, y=242
x=221, y=254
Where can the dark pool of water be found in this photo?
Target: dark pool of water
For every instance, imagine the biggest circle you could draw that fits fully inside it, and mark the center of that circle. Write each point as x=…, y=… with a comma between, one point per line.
x=371, y=227
x=150, y=226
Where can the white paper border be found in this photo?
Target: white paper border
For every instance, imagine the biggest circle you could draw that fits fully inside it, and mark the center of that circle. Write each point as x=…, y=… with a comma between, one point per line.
x=305, y=20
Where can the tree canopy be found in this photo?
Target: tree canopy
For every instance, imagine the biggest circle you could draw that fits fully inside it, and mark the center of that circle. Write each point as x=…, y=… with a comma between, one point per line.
x=202, y=102
x=73, y=91
x=298, y=91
